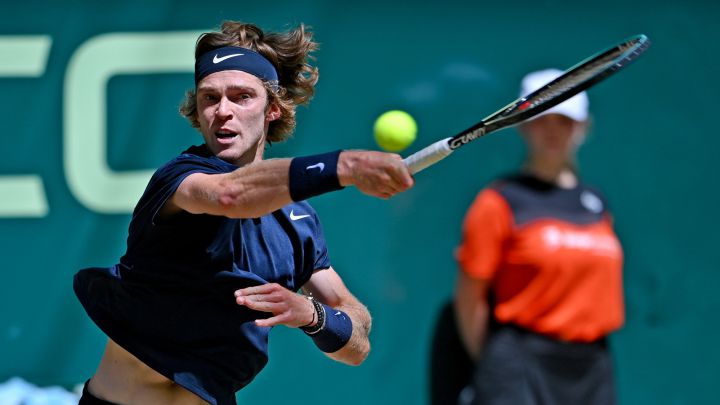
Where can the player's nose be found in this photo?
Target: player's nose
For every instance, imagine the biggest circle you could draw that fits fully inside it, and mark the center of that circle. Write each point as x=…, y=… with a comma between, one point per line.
x=223, y=108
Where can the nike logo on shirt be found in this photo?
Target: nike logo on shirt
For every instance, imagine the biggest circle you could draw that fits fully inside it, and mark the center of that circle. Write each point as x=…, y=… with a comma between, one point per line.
x=217, y=60
x=296, y=217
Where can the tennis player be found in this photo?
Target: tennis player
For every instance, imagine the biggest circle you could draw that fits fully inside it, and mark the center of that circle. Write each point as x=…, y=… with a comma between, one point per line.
x=222, y=239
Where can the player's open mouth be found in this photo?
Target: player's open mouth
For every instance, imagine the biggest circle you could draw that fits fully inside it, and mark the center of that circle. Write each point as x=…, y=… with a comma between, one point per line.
x=225, y=134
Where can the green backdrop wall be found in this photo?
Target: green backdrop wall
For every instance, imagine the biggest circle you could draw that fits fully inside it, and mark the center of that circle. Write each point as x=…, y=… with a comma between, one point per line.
x=89, y=96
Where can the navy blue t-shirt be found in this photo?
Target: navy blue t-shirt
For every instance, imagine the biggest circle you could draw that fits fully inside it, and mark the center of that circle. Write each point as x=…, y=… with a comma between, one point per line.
x=170, y=300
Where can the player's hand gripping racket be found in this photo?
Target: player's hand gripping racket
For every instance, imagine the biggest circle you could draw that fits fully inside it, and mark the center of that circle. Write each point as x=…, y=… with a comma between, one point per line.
x=576, y=79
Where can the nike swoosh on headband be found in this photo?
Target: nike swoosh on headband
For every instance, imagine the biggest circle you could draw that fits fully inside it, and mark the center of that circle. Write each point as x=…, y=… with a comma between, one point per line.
x=217, y=60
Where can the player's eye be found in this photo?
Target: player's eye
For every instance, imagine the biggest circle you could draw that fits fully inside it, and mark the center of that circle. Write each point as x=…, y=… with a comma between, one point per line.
x=209, y=98
x=244, y=97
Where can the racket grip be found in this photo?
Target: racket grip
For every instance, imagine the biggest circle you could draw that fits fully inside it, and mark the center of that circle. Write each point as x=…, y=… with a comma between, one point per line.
x=428, y=155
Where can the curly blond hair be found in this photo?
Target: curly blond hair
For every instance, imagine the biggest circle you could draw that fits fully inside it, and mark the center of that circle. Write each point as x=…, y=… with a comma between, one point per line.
x=290, y=54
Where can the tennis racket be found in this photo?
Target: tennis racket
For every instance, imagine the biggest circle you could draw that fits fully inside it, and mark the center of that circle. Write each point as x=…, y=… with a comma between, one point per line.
x=576, y=79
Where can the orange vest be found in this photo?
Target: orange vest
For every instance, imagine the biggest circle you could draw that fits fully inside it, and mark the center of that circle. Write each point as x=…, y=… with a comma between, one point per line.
x=551, y=256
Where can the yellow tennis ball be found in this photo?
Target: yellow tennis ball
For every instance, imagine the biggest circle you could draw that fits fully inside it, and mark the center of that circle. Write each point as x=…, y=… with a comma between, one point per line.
x=395, y=130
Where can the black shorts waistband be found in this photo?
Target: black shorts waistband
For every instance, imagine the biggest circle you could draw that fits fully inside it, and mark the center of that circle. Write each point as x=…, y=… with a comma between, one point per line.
x=89, y=399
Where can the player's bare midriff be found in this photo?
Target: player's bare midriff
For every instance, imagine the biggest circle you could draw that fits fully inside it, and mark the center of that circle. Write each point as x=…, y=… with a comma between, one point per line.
x=123, y=379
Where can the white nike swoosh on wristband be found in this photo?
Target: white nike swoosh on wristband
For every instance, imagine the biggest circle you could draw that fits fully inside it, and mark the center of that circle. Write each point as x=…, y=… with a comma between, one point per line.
x=217, y=60
x=320, y=166
x=296, y=217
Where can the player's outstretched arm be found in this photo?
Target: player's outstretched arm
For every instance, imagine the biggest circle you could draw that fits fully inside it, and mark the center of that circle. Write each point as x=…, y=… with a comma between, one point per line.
x=262, y=187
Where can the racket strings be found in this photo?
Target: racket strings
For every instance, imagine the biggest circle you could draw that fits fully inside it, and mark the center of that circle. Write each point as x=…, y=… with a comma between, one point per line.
x=563, y=86
x=594, y=70
x=576, y=79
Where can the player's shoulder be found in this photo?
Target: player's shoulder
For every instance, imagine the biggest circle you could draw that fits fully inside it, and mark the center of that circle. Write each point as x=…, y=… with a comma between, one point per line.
x=201, y=154
x=194, y=158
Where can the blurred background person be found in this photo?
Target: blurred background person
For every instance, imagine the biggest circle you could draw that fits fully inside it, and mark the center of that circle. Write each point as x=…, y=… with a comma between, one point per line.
x=540, y=281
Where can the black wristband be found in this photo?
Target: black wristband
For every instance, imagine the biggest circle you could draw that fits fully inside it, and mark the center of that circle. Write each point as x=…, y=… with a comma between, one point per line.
x=320, y=311
x=336, y=331
x=313, y=175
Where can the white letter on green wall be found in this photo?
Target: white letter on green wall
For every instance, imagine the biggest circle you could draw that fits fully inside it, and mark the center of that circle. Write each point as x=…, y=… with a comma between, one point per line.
x=90, y=178
x=23, y=56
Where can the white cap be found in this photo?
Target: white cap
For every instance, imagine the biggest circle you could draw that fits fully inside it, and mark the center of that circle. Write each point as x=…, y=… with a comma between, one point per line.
x=575, y=107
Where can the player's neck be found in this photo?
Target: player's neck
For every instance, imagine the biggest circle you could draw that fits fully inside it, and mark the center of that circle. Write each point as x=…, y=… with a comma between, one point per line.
x=255, y=154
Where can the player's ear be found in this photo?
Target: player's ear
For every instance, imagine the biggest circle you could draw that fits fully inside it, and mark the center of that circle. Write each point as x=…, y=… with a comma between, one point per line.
x=273, y=112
